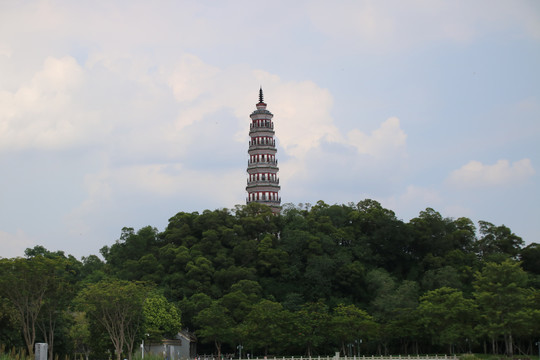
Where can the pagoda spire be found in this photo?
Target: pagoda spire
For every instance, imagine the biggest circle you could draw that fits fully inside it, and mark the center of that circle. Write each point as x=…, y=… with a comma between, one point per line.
x=263, y=182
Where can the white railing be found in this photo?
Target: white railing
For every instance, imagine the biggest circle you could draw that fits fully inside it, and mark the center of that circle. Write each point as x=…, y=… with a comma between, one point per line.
x=262, y=163
x=263, y=182
x=372, y=357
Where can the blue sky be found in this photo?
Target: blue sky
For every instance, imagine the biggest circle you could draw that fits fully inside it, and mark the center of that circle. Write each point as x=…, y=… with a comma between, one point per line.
x=123, y=113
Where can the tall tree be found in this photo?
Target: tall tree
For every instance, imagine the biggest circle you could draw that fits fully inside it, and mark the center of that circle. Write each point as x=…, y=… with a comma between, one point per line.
x=432, y=234
x=447, y=316
x=380, y=237
x=60, y=292
x=25, y=282
x=497, y=240
x=394, y=308
x=269, y=336
x=350, y=323
x=117, y=305
x=504, y=301
x=530, y=258
x=215, y=326
x=162, y=318
x=9, y=325
x=123, y=256
x=79, y=334
x=312, y=325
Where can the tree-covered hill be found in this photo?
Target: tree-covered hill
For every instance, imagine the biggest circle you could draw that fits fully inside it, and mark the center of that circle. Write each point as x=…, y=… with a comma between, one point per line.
x=313, y=280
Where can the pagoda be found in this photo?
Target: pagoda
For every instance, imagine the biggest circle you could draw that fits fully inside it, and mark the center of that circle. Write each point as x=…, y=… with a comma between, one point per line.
x=263, y=182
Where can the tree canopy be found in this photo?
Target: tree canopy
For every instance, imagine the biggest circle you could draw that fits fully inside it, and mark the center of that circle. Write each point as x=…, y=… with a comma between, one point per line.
x=312, y=280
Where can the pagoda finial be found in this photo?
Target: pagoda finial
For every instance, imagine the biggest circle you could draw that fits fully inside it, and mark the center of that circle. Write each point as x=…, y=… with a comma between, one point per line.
x=260, y=95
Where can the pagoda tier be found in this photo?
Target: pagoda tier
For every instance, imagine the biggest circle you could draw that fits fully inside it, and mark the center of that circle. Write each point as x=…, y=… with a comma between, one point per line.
x=263, y=181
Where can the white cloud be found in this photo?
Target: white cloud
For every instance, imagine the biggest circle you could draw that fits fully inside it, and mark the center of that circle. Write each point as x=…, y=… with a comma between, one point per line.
x=44, y=113
x=191, y=77
x=390, y=25
x=13, y=245
x=476, y=174
x=302, y=114
x=388, y=139
x=182, y=147
x=413, y=200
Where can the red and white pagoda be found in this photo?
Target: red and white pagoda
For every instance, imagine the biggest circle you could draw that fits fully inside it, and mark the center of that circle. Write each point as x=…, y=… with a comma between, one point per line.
x=263, y=182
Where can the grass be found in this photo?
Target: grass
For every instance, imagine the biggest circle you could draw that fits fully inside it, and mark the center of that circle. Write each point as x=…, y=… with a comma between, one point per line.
x=13, y=354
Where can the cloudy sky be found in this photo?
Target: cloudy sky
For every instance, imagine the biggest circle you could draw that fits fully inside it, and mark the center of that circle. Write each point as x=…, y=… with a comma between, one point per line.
x=123, y=113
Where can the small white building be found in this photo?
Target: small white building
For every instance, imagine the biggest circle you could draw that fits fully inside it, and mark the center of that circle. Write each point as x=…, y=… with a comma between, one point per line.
x=182, y=347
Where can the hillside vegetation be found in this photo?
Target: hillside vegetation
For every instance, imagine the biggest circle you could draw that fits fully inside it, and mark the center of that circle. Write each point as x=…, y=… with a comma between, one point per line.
x=313, y=280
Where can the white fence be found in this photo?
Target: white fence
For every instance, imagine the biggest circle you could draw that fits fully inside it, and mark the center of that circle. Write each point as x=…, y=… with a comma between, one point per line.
x=390, y=357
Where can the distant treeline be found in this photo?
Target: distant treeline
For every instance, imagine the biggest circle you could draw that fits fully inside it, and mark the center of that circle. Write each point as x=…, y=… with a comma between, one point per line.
x=314, y=280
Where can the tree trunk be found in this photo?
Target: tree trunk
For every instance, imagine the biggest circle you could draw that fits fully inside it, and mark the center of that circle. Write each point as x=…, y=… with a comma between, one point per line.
x=118, y=346
x=118, y=354
x=509, y=345
x=218, y=348
x=48, y=327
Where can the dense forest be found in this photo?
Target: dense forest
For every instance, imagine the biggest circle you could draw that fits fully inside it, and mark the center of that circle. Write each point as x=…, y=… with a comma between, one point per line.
x=311, y=281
